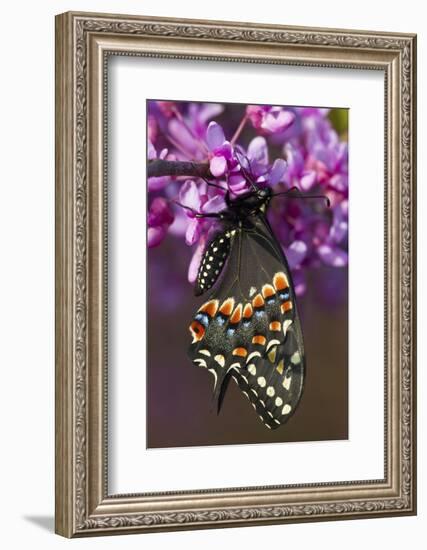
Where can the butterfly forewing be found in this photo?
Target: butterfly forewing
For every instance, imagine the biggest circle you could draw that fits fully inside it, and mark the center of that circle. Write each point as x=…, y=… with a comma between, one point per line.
x=249, y=328
x=213, y=260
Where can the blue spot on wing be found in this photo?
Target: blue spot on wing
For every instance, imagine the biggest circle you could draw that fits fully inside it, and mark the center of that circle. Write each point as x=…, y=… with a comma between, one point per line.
x=203, y=319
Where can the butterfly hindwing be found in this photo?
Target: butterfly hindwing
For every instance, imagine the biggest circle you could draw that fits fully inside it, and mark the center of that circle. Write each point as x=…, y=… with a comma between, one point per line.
x=249, y=327
x=274, y=381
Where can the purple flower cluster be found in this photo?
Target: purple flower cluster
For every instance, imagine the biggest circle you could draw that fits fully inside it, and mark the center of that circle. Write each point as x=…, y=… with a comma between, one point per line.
x=280, y=147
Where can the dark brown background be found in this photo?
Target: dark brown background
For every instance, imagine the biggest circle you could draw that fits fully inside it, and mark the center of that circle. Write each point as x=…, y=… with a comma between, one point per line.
x=179, y=394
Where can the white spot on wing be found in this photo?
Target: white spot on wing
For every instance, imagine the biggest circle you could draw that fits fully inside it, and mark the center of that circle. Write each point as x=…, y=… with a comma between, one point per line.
x=286, y=409
x=287, y=382
x=296, y=358
x=215, y=376
x=286, y=325
x=270, y=391
x=261, y=381
x=272, y=343
x=220, y=359
x=278, y=402
x=234, y=366
x=205, y=352
x=253, y=354
x=200, y=362
x=252, y=369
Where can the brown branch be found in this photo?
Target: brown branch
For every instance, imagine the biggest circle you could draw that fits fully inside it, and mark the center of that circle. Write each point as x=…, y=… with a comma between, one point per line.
x=161, y=167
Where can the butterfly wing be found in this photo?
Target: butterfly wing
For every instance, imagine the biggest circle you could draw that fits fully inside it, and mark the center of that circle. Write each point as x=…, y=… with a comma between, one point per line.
x=274, y=382
x=249, y=328
x=213, y=260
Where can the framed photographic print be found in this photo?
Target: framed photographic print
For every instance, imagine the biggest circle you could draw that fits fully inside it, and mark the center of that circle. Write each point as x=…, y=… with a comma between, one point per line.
x=235, y=274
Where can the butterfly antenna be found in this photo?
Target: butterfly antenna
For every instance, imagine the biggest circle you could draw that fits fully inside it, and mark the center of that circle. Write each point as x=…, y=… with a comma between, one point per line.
x=186, y=207
x=300, y=195
x=213, y=184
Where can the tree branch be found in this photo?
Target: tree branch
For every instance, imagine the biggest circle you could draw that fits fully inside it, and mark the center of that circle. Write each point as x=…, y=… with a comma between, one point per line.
x=161, y=167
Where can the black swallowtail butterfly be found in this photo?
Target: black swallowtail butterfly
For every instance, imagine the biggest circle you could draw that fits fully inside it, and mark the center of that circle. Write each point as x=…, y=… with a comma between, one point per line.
x=249, y=328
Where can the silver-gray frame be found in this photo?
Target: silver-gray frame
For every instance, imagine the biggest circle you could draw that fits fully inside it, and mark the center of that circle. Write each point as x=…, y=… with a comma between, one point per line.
x=83, y=43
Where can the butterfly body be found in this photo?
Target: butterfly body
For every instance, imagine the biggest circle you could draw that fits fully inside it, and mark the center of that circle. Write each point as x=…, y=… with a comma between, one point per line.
x=249, y=329
x=235, y=218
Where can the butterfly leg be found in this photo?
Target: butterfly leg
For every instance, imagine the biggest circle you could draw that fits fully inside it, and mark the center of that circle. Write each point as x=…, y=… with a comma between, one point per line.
x=227, y=192
x=210, y=183
x=200, y=214
x=210, y=215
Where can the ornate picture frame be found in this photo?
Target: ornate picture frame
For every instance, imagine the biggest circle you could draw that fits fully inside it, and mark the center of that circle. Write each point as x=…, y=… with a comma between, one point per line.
x=84, y=43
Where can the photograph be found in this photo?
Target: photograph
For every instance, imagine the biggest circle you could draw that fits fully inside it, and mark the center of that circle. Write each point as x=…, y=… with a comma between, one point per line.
x=247, y=235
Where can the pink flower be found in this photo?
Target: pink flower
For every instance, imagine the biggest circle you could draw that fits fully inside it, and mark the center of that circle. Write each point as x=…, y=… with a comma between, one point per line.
x=193, y=268
x=259, y=165
x=196, y=201
x=221, y=149
x=160, y=218
x=270, y=119
x=297, y=174
x=151, y=128
x=157, y=183
x=167, y=108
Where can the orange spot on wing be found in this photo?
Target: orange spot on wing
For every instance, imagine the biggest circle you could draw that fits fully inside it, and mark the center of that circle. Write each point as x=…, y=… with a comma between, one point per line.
x=227, y=306
x=267, y=291
x=240, y=352
x=286, y=306
x=197, y=331
x=275, y=326
x=247, y=311
x=280, y=281
x=237, y=314
x=210, y=308
x=259, y=339
x=258, y=301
